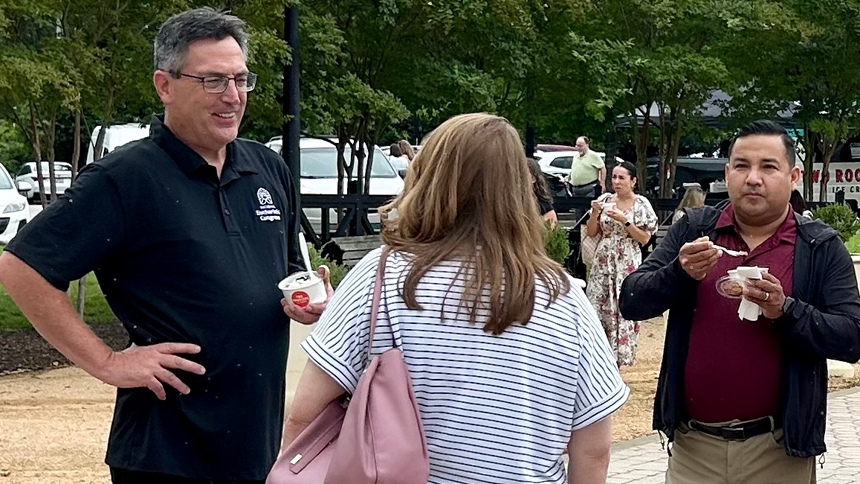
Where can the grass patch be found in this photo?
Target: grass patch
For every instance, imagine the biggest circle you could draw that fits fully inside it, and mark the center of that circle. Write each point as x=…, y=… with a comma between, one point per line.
x=96, y=309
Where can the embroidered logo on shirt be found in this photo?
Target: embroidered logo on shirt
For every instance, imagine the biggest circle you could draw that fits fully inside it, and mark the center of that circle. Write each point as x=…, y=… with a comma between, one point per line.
x=264, y=196
x=268, y=212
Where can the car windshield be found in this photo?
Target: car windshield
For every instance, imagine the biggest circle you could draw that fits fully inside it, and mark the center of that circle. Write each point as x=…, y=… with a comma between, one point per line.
x=322, y=163
x=5, y=181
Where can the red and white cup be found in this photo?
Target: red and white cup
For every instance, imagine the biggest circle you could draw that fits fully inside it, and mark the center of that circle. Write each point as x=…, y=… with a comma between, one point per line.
x=303, y=288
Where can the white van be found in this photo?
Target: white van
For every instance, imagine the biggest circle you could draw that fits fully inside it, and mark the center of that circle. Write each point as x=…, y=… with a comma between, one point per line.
x=116, y=136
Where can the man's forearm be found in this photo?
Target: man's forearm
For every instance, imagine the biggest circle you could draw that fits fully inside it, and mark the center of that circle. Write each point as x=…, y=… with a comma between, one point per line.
x=601, y=177
x=49, y=311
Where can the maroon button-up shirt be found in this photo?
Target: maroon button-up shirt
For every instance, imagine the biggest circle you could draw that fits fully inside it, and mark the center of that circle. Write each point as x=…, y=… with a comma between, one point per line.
x=733, y=366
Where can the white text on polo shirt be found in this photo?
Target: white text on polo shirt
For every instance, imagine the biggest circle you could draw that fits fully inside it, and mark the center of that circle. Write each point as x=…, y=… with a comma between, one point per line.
x=268, y=212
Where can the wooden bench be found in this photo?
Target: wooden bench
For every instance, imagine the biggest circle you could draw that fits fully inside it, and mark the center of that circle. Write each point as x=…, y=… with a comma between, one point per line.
x=348, y=251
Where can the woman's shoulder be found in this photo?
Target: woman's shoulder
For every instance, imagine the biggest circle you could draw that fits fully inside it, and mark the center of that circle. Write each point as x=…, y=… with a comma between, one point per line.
x=642, y=199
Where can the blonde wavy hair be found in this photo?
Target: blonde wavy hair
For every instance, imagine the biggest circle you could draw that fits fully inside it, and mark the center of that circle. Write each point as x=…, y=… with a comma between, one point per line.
x=468, y=195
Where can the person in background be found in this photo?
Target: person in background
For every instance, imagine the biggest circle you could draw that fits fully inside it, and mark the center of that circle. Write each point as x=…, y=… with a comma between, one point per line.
x=625, y=222
x=587, y=172
x=542, y=194
x=406, y=150
x=744, y=400
x=694, y=197
x=171, y=226
x=507, y=359
x=798, y=204
x=398, y=161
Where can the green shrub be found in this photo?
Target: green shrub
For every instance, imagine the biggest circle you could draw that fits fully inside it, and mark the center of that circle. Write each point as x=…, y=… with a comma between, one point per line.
x=840, y=217
x=556, y=244
x=853, y=244
x=96, y=309
x=337, y=271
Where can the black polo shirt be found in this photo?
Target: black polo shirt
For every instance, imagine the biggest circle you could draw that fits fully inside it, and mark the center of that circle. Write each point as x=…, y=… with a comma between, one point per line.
x=185, y=257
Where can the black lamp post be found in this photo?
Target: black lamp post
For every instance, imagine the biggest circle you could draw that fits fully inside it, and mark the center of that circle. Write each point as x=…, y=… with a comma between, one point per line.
x=292, y=128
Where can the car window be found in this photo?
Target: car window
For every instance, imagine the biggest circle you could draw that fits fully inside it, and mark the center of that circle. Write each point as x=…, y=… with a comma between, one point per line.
x=5, y=181
x=322, y=163
x=58, y=167
x=562, y=162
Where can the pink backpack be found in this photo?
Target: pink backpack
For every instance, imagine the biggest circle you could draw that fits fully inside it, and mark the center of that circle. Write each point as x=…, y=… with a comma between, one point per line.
x=376, y=439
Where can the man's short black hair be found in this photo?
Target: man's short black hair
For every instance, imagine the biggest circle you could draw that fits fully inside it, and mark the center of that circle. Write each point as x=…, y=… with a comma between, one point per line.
x=767, y=128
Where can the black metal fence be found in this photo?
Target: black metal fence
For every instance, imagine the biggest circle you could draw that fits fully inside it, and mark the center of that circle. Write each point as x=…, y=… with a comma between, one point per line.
x=328, y=216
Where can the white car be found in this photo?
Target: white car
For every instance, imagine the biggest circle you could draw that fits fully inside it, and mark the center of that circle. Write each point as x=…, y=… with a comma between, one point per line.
x=14, y=209
x=319, y=169
x=559, y=162
x=116, y=136
x=319, y=175
x=28, y=175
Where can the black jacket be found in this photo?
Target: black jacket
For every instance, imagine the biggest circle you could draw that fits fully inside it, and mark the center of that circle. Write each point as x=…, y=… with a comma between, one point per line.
x=824, y=324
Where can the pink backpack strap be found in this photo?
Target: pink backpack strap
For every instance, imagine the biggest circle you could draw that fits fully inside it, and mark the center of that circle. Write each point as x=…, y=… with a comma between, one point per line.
x=377, y=294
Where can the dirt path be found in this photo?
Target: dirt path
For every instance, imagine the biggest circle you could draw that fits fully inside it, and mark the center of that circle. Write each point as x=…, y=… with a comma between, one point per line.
x=54, y=427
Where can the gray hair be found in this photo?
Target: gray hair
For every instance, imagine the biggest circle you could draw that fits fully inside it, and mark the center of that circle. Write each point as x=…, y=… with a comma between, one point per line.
x=183, y=29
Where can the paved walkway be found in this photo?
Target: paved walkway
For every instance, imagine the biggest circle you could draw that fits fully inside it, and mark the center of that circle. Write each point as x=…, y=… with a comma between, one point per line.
x=643, y=461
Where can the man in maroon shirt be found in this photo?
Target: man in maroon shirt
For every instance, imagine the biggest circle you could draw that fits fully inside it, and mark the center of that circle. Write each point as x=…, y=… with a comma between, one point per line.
x=743, y=400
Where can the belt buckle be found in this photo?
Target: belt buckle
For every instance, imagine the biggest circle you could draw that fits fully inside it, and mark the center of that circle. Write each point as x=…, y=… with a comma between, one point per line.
x=733, y=433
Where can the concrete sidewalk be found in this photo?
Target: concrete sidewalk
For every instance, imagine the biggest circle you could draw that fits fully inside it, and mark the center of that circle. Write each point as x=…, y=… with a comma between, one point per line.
x=643, y=461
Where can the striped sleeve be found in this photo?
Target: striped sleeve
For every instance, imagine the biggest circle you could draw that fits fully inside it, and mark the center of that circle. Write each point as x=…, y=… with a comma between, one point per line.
x=338, y=344
x=600, y=389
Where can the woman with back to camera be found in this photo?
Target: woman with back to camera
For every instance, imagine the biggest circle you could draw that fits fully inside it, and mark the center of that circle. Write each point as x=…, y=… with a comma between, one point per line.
x=625, y=221
x=507, y=359
x=694, y=197
x=406, y=150
x=542, y=194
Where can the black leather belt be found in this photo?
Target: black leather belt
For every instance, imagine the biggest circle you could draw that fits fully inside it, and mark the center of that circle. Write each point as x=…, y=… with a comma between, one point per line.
x=739, y=431
x=589, y=184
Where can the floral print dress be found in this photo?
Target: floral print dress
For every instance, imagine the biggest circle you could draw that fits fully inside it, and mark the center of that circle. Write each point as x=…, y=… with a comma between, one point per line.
x=617, y=255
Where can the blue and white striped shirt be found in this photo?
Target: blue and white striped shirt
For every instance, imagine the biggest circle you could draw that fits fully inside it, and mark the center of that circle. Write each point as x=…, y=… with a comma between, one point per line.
x=495, y=409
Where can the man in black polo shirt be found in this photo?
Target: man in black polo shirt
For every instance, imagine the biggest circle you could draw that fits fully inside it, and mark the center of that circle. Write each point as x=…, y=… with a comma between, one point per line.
x=189, y=232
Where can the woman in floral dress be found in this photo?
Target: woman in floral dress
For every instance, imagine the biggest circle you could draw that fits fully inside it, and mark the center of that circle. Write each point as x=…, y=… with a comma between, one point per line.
x=625, y=221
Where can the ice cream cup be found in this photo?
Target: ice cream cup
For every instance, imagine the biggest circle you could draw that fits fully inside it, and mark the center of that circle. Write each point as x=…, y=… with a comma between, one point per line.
x=303, y=288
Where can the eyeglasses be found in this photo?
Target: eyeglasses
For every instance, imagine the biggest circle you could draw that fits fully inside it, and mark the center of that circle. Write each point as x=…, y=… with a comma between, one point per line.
x=218, y=84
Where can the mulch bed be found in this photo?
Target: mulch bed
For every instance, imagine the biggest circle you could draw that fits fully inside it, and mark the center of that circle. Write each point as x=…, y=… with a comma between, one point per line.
x=25, y=349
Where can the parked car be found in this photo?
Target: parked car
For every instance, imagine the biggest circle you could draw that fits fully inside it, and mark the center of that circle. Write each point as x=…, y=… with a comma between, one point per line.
x=319, y=168
x=116, y=136
x=319, y=174
x=14, y=209
x=559, y=162
x=28, y=175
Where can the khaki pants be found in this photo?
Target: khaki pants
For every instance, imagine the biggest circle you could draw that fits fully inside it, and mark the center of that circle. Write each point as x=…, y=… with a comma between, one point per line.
x=699, y=458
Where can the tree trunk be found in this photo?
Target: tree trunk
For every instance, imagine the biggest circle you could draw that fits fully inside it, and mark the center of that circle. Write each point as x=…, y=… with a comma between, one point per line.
x=665, y=140
x=37, y=153
x=642, y=135
x=808, y=163
x=50, y=133
x=76, y=155
x=829, y=148
x=677, y=131
x=76, y=151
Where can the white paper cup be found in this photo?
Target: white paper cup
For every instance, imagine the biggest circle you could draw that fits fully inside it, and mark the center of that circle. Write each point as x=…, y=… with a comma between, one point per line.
x=303, y=288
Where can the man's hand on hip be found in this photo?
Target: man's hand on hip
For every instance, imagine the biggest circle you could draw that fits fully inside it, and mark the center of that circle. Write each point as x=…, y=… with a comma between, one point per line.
x=151, y=367
x=698, y=257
